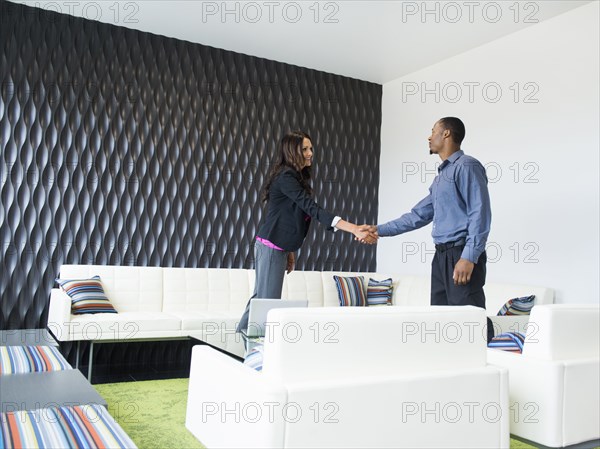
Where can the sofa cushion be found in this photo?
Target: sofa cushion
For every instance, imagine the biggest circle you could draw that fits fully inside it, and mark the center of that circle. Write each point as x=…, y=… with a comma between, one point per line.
x=31, y=359
x=509, y=341
x=206, y=289
x=351, y=290
x=87, y=295
x=210, y=322
x=496, y=295
x=380, y=292
x=254, y=359
x=563, y=332
x=337, y=342
x=517, y=306
x=124, y=326
x=307, y=285
x=80, y=426
x=130, y=289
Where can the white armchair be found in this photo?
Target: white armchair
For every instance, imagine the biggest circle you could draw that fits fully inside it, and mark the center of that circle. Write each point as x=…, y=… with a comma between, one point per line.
x=355, y=377
x=555, y=382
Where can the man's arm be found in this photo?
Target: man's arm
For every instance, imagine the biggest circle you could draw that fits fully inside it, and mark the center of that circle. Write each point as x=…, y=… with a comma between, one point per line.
x=420, y=215
x=472, y=184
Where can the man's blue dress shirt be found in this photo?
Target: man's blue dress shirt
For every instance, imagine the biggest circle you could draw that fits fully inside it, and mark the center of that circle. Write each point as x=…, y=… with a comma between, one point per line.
x=458, y=204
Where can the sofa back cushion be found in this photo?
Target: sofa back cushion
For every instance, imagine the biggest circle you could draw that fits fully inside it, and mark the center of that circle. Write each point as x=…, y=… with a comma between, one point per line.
x=496, y=295
x=338, y=343
x=207, y=289
x=413, y=291
x=129, y=289
x=304, y=285
x=563, y=332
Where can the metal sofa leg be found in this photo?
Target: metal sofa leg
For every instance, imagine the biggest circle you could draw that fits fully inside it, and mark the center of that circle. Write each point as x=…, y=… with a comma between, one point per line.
x=89, y=377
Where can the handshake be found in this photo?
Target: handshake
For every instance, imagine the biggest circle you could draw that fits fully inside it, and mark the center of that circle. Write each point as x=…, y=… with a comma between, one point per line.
x=366, y=234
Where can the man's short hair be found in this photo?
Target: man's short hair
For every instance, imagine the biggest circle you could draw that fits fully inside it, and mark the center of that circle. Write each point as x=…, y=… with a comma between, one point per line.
x=456, y=128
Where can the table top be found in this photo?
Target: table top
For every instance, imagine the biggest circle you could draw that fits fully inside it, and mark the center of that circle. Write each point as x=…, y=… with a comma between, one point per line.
x=33, y=391
x=27, y=337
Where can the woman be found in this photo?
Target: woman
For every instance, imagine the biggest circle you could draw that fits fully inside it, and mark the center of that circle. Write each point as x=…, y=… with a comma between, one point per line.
x=290, y=210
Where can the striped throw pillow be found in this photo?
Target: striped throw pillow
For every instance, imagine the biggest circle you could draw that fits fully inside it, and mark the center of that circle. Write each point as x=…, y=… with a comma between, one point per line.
x=87, y=295
x=351, y=290
x=31, y=359
x=254, y=359
x=517, y=306
x=379, y=292
x=79, y=426
x=509, y=341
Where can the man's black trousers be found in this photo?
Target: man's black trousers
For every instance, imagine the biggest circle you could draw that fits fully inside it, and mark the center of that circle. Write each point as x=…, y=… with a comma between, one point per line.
x=443, y=290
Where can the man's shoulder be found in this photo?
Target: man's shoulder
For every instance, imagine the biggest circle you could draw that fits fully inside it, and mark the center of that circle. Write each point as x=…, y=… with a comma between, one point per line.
x=469, y=162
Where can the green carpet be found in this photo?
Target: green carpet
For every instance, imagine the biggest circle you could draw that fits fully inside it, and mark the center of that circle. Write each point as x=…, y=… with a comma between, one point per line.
x=153, y=413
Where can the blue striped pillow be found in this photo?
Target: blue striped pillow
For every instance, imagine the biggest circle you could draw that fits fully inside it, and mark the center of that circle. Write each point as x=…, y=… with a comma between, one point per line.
x=254, y=359
x=379, y=292
x=31, y=359
x=79, y=426
x=351, y=290
x=87, y=296
x=509, y=341
x=517, y=306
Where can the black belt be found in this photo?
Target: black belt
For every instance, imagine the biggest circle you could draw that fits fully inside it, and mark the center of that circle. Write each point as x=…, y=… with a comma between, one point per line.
x=448, y=245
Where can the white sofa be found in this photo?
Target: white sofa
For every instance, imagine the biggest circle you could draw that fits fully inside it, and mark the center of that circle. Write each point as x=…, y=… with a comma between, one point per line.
x=355, y=377
x=555, y=382
x=206, y=303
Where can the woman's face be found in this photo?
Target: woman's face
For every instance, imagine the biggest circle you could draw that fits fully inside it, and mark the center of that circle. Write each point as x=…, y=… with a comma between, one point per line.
x=307, y=152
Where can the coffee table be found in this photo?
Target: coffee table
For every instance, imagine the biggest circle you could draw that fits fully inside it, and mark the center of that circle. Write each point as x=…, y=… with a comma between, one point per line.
x=41, y=390
x=27, y=337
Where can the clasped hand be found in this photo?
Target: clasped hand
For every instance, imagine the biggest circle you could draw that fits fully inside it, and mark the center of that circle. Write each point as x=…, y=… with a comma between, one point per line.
x=366, y=234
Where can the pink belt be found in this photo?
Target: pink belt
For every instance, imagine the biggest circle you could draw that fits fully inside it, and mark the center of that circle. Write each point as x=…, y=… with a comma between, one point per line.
x=269, y=244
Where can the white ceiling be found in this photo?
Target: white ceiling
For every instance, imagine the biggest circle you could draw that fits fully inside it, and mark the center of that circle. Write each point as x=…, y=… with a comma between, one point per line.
x=375, y=41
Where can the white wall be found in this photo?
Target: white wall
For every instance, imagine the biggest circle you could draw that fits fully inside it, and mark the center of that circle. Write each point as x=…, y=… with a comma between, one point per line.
x=542, y=157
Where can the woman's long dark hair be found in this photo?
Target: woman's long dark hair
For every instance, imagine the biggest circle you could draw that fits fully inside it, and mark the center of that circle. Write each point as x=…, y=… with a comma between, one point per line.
x=290, y=156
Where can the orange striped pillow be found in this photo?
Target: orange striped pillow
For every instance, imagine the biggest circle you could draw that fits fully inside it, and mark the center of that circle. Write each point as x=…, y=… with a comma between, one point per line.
x=351, y=290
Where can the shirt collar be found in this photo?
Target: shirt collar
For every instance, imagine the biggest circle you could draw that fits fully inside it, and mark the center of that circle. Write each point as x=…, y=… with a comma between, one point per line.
x=451, y=160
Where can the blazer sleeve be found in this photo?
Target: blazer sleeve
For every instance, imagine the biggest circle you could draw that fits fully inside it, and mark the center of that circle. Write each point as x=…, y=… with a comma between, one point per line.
x=291, y=187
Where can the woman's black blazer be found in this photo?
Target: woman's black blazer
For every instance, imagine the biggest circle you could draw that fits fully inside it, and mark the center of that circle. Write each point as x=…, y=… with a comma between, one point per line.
x=289, y=212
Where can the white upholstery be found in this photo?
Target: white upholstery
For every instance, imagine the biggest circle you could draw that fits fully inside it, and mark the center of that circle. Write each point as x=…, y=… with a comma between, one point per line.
x=413, y=340
x=304, y=285
x=125, y=326
x=206, y=303
x=245, y=387
x=497, y=294
x=563, y=332
x=206, y=289
x=130, y=289
x=414, y=291
x=376, y=379
x=555, y=382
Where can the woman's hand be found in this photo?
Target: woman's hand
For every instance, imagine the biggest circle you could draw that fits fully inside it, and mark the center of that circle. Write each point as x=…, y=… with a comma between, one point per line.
x=366, y=234
x=291, y=261
x=363, y=233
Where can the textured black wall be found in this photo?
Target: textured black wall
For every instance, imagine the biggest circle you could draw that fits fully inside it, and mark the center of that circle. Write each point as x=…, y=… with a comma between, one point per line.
x=125, y=148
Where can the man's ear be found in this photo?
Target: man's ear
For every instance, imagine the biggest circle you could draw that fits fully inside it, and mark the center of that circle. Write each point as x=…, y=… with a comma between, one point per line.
x=446, y=133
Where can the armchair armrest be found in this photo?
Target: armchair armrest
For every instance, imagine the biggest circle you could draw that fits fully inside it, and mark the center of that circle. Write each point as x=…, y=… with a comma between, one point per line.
x=59, y=315
x=536, y=396
x=231, y=405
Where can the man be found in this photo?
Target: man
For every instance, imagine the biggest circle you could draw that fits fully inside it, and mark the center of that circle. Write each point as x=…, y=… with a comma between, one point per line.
x=458, y=204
